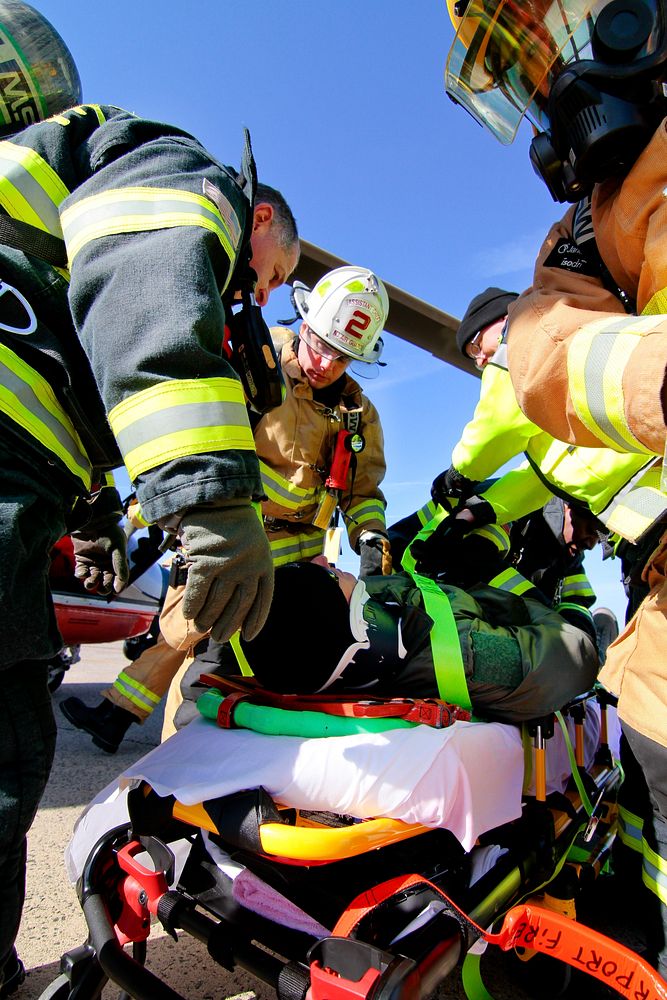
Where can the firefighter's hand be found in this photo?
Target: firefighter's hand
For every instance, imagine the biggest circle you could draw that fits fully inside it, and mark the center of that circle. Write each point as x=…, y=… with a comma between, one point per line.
x=375, y=554
x=100, y=558
x=230, y=571
x=433, y=555
x=451, y=485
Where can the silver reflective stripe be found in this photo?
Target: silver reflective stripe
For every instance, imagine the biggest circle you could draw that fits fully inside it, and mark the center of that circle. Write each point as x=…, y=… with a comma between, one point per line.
x=67, y=450
x=367, y=510
x=99, y=216
x=283, y=491
x=14, y=173
x=296, y=547
x=595, y=377
x=182, y=417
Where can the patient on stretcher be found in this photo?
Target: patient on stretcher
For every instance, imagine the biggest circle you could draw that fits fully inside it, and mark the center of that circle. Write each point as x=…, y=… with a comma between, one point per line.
x=510, y=658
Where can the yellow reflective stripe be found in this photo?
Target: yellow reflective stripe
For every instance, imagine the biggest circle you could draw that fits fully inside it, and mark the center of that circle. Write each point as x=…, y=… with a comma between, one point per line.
x=654, y=874
x=427, y=512
x=135, y=692
x=511, y=581
x=630, y=827
x=496, y=534
x=370, y=509
x=296, y=548
x=281, y=491
x=29, y=401
x=139, y=209
x=30, y=189
x=576, y=586
x=81, y=110
x=596, y=356
x=180, y=417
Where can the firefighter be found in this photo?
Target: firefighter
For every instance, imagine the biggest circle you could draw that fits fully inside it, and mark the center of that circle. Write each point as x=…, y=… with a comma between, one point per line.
x=620, y=490
x=587, y=343
x=344, y=315
x=510, y=658
x=123, y=241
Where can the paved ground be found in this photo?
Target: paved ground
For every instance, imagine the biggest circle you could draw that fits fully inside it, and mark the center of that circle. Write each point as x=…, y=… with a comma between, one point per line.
x=53, y=922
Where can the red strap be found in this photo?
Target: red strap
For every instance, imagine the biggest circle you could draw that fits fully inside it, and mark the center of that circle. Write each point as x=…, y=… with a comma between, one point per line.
x=426, y=711
x=535, y=927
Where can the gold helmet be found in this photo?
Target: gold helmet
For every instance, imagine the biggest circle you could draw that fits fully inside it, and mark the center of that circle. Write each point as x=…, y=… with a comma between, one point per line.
x=581, y=71
x=38, y=76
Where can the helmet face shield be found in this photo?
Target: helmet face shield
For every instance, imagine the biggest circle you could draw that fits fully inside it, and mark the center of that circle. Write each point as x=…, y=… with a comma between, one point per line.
x=507, y=55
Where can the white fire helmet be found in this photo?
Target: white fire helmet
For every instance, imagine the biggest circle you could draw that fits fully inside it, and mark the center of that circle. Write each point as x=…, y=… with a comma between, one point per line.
x=347, y=309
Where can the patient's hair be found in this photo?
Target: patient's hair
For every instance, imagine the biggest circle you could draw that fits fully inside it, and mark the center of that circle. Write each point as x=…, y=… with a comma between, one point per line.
x=306, y=632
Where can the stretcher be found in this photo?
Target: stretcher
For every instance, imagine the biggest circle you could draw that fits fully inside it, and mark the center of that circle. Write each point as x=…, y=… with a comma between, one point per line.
x=237, y=849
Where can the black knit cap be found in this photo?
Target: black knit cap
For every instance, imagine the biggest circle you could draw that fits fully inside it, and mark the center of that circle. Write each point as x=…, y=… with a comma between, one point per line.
x=485, y=308
x=306, y=632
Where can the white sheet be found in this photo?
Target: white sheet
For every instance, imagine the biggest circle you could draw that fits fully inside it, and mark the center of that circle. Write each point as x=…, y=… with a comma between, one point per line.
x=467, y=778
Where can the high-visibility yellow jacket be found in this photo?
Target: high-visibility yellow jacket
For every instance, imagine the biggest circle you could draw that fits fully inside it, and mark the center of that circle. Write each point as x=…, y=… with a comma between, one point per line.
x=119, y=353
x=295, y=444
x=582, y=368
x=622, y=490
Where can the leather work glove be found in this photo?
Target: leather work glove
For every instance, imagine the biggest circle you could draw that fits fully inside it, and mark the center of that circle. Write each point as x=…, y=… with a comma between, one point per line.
x=100, y=559
x=451, y=485
x=230, y=571
x=375, y=554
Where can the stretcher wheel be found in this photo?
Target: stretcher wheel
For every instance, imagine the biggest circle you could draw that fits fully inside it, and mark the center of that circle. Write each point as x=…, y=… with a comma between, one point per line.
x=59, y=989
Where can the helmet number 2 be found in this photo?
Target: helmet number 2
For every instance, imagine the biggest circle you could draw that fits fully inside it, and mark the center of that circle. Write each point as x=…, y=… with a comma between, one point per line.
x=357, y=324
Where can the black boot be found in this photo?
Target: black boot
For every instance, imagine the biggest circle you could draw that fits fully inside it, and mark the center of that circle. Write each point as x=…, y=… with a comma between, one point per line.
x=14, y=975
x=106, y=723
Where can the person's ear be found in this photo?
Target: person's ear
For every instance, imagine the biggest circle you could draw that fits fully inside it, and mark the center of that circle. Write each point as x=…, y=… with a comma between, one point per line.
x=262, y=217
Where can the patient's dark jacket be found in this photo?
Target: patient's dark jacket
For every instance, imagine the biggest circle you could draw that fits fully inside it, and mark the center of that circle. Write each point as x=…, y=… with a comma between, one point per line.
x=521, y=658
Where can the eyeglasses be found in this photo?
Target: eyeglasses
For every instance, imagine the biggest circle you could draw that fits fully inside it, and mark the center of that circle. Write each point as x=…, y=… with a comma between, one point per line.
x=321, y=347
x=474, y=347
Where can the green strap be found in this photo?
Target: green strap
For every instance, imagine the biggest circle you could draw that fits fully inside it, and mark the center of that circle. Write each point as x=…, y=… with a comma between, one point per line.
x=445, y=644
x=235, y=643
x=585, y=801
x=471, y=979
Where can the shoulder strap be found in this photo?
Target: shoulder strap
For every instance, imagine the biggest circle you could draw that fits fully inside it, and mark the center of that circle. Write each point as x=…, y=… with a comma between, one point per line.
x=29, y=239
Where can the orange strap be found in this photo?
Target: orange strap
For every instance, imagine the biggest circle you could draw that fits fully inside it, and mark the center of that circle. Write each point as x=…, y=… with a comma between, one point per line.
x=531, y=926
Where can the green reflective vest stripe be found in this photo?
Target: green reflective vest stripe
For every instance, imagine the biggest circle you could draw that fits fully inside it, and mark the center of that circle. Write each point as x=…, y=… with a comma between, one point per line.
x=370, y=509
x=30, y=189
x=445, y=644
x=180, y=417
x=296, y=547
x=654, y=873
x=630, y=829
x=511, y=581
x=577, y=585
x=281, y=491
x=596, y=355
x=28, y=400
x=139, y=209
x=137, y=693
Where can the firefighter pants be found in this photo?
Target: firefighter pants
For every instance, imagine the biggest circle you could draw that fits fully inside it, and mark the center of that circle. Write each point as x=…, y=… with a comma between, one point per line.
x=27, y=745
x=644, y=826
x=31, y=521
x=140, y=686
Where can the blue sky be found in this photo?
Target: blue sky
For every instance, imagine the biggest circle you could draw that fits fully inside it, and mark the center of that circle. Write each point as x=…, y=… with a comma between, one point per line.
x=348, y=116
